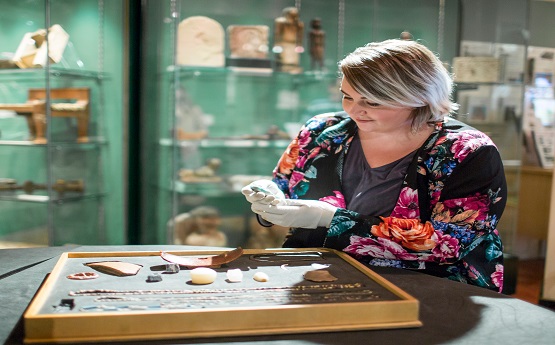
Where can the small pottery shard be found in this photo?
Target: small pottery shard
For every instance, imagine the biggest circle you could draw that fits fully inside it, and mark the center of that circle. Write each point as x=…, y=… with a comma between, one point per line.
x=116, y=268
x=209, y=261
x=319, y=276
x=83, y=276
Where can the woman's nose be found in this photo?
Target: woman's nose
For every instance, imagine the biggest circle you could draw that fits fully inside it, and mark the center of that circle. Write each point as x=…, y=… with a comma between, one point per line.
x=357, y=108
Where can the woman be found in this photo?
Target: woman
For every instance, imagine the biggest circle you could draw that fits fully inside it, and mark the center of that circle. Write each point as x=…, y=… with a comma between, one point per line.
x=392, y=180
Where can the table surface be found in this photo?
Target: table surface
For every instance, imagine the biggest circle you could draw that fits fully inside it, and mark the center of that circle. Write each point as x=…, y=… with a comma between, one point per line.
x=451, y=312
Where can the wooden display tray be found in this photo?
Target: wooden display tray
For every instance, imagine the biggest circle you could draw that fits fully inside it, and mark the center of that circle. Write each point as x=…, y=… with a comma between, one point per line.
x=359, y=299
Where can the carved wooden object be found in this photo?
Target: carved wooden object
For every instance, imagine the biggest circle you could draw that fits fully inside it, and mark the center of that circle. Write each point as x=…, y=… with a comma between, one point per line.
x=75, y=103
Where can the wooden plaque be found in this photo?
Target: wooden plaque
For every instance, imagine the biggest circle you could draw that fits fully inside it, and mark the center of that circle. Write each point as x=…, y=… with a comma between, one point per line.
x=117, y=308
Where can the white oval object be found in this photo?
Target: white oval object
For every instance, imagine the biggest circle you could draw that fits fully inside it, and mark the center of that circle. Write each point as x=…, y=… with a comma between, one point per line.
x=261, y=277
x=319, y=266
x=234, y=275
x=203, y=275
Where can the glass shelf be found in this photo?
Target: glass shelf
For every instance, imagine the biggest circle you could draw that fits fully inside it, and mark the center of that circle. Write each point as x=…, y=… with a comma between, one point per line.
x=473, y=86
x=38, y=198
x=186, y=72
x=40, y=73
x=226, y=143
x=92, y=144
x=216, y=189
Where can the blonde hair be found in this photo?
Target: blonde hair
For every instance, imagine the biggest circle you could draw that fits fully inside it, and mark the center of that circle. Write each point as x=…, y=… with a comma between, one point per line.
x=399, y=73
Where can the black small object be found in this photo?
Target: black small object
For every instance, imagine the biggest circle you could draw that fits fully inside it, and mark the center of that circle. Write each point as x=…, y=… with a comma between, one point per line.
x=65, y=304
x=154, y=278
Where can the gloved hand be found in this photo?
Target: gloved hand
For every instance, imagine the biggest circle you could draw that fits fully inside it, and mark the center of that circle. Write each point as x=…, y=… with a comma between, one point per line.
x=263, y=191
x=295, y=213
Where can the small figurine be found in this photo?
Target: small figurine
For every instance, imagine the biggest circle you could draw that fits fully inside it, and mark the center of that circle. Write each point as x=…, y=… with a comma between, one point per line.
x=288, y=40
x=199, y=227
x=190, y=118
x=265, y=237
x=406, y=36
x=317, y=40
x=206, y=173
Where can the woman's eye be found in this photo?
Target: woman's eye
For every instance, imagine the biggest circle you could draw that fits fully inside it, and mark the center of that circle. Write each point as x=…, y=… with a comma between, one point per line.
x=373, y=104
x=347, y=98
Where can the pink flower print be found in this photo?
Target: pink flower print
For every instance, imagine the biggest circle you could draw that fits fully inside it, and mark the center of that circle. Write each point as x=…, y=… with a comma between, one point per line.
x=468, y=142
x=407, y=205
x=301, y=161
x=380, y=248
x=473, y=208
x=296, y=177
x=338, y=200
x=314, y=152
x=447, y=247
x=304, y=137
x=497, y=276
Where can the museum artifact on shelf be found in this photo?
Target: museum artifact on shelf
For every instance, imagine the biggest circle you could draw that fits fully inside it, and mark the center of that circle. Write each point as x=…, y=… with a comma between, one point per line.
x=476, y=69
x=200, y=42
x=204, y=174
x=29, y=187
x=191, y=121
x=248, y=45
x=74, y=103
x=199, y=227
x=317, y=40
x=33, y=51
x=277, y=292
x=288, y=41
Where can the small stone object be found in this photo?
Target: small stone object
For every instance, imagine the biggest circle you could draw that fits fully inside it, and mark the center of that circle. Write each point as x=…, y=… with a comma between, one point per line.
x=261, y=277
x=172, y=268
x=154, y=278
x=319, y=276
x=234, y=275
x=65, y=304
x=203, y=275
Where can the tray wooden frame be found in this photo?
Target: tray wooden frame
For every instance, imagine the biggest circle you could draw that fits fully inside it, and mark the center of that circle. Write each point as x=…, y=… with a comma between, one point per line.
x=217, y=322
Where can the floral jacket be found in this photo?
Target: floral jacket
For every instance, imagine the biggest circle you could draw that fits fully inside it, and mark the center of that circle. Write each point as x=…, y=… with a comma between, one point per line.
x=444, y=222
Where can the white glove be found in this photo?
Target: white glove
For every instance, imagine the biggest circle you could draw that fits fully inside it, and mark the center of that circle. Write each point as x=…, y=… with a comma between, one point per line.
x=295, y=213
x=263, y=191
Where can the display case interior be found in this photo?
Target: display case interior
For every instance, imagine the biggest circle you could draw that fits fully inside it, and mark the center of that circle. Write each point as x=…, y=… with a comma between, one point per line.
x=224, y=119
x=60, y=111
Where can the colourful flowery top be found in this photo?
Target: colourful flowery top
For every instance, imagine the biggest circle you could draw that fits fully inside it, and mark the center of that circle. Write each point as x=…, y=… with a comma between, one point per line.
x=444, y=222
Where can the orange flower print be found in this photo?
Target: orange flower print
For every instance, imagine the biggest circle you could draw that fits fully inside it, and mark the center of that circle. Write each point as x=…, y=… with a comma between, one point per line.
x=409, y=233
x=289, y=158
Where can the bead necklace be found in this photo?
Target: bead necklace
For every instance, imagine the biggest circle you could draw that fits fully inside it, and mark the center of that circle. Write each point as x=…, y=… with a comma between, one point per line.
x=100, y=292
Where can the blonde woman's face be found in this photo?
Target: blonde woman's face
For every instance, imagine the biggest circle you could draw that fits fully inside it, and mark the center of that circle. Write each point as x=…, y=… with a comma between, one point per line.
x=373, y=117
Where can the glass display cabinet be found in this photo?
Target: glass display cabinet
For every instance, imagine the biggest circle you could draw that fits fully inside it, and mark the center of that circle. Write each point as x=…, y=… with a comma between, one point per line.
x=60, y=96
x=221, y=100
x=490, y=76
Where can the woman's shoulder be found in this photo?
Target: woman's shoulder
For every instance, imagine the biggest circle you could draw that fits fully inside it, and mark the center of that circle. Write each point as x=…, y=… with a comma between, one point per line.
x=336, y=116
x=458, y=140
x=319, y=123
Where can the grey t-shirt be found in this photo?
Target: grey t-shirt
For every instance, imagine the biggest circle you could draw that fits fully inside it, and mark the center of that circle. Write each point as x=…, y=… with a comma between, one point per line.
x=372, y=191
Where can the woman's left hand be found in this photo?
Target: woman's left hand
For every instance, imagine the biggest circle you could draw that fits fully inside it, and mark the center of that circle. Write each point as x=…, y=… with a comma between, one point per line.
x=295, y=213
